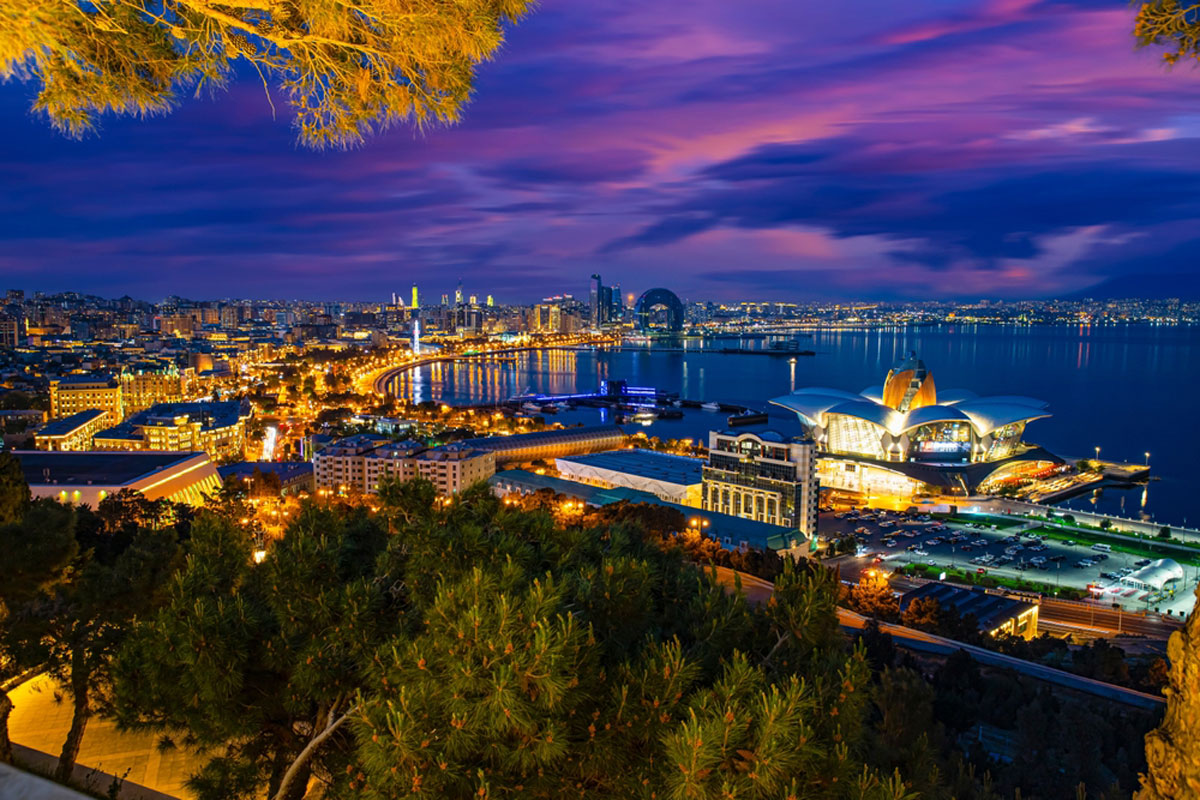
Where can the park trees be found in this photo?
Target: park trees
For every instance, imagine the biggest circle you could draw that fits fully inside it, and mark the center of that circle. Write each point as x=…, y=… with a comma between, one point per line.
x=346, y=67
x=480, y=649
x=78, y=579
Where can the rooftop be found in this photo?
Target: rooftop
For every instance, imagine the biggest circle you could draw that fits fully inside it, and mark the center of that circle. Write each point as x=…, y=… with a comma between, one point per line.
x=102, y=468
x=646, y=464
x=542, y=438
x=990, y=610
x=724, y=527
x=286, y=470
x=66, y=425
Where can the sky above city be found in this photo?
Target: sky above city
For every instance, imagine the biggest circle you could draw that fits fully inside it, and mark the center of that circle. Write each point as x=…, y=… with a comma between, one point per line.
x=768, y=150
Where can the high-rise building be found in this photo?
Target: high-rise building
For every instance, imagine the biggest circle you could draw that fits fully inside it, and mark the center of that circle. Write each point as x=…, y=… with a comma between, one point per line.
x=445, y=299
x=474, y=300
x=490, y=301
x=458, y=293
x=15, y=296
x=594, y=300
x=10, y=331
x=765, y=477
x=415, y=302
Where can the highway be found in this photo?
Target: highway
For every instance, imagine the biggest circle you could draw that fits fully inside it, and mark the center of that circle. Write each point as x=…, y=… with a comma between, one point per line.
x=758, y=590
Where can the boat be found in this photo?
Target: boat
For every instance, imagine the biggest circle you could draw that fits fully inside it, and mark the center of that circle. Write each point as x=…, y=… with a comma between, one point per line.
x=711, y=406
x=531, y=407
x=747, y=418
x=644, y=417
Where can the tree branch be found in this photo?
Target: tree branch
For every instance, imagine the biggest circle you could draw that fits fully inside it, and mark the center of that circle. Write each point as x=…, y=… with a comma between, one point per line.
x=309, y=749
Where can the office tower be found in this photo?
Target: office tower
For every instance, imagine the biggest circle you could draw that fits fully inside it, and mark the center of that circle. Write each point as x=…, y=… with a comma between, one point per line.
x=458, y=294
x=616, y=307
x=445, y=299
x=415, y=303
x=393, y=298
x=474, y=300
x=764, y=477
x=594, y=300
x=490, y=301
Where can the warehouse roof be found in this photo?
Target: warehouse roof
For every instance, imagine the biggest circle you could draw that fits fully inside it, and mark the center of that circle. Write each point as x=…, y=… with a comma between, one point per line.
x=644, y=464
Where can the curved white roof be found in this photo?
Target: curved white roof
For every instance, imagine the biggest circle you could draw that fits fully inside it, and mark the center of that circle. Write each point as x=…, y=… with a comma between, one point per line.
x=878, y=413
x=1157, y=574
x=927, y=414
x=989, y=413
x=813, y=403
x=949, y=397
x=985, y=414
x=873, y=393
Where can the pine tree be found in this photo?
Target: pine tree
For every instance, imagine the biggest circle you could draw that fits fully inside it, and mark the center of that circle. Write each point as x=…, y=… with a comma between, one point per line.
x=475, y=649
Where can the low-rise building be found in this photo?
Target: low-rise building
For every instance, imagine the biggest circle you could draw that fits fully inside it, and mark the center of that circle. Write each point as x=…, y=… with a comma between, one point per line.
x=86, y=478
x=71, y=394
x=294, y=476
x=730, y=532
x=676, y=479
x=71, y=433
x=360, y=463
x=217, y=428
x=523, y=447
x=994, y=614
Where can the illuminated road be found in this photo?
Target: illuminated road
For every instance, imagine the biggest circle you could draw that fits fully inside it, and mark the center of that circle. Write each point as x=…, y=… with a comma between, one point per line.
x=758, y=590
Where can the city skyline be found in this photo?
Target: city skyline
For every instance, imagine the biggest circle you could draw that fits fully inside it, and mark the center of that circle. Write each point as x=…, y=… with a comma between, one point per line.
x=780, y=153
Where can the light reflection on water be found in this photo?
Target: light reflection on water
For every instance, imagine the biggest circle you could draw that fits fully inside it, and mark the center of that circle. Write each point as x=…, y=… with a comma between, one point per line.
x=1128, y=390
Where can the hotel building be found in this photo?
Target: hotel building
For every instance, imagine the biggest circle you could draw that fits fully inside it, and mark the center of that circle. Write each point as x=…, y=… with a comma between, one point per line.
x=764, y=477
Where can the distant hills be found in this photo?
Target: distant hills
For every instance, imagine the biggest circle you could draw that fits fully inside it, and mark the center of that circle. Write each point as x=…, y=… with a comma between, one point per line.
x=1185, y=286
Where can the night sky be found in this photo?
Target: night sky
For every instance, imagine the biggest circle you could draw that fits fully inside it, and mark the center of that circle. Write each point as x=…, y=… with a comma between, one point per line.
x=775, y=149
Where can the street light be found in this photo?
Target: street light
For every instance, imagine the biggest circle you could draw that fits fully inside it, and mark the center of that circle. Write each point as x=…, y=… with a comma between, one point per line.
x=1147, y=458
x=1097, y=452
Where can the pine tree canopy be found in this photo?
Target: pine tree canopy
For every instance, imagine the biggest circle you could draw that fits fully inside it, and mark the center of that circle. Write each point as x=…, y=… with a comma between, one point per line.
x=478, y=650
x=347, y=67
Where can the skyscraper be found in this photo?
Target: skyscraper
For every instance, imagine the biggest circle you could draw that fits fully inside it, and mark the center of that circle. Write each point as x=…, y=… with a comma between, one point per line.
x=490, y=301
x=415, y=303
x=458, y=294
x=594, y=300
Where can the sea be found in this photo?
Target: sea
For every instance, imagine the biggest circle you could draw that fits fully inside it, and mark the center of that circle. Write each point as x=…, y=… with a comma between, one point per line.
x=1130, y=390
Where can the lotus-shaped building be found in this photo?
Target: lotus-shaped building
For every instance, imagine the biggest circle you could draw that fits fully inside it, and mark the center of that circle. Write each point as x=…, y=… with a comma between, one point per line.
x=920, y=435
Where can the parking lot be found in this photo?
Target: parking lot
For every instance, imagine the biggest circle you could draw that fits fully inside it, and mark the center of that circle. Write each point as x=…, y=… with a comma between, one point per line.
x=1008, y=550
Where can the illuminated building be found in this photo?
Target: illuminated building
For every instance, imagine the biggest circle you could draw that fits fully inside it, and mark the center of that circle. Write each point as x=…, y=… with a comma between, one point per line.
x=86, y=478
x=74, y=393
x=675, y=479
x=904, y=437
x=145, y=385
x=10, y=331
x=765, y=477
x=360, y=463
x=71, y=433
x=994, y=614
x=218, y=429
x=415, y=300
x=525, y=447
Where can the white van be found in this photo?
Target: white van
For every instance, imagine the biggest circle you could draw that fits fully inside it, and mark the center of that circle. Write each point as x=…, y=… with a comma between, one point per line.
x=1104, y=548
